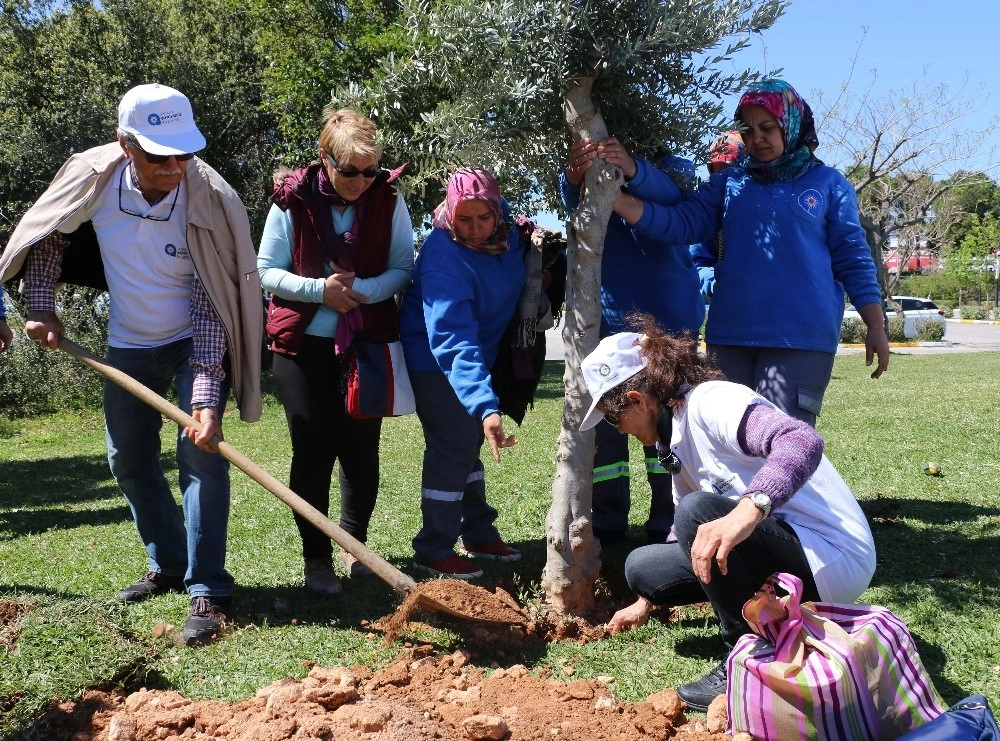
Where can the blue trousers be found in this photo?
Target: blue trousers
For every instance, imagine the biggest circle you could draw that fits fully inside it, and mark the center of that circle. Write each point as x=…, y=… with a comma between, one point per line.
x=612, y=476
x=662, y=573
x=192, y=544
x=453, y=490
x=793, y=380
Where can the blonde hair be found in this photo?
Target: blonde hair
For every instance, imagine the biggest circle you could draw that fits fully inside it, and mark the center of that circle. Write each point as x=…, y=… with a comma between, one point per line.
x=346, y=133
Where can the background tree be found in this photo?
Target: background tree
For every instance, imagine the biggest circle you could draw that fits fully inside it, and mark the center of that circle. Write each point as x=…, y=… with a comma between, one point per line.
x=306, y=47
x=508, y=85
x=905, y=151
x=66, y=66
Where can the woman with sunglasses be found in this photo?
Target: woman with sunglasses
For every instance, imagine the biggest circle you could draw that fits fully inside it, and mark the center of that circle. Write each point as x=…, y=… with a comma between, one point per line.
x=466, y=285
x=337, y=248
x=754, y=493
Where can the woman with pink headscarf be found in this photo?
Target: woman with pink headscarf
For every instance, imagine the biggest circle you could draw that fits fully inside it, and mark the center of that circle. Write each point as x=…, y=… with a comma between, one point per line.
x=467, y=281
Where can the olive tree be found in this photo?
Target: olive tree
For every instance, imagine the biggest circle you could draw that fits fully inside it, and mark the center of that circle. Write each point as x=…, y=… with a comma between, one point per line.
x=508, y=85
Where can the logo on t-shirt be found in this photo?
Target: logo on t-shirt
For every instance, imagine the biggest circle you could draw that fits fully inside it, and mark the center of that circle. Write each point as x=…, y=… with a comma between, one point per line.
x=181, y=253
x=811, y=202
x=722, y=486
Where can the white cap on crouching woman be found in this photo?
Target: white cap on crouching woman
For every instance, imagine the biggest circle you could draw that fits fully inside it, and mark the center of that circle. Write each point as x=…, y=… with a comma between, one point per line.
x=161, y=119
x=615, y=360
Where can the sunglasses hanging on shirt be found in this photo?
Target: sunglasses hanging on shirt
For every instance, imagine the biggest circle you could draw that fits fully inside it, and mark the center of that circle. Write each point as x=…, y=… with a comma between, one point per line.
x=665, y=429
x=130, y=212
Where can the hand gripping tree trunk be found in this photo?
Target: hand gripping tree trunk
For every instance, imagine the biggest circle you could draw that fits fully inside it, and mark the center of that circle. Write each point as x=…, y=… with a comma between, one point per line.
x=573, y=560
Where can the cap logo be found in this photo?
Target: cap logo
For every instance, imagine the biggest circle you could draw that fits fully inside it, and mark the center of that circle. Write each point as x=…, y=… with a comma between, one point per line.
x=153, y=119
x=604, y=370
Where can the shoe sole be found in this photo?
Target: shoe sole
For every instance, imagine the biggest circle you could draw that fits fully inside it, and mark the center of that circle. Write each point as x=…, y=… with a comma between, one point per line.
x=201, y=638
x=489, y=556
x=326, y=592
x=463, y=577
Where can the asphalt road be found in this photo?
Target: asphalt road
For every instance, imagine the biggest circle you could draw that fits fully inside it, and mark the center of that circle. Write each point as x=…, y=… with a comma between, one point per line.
x=960, y=337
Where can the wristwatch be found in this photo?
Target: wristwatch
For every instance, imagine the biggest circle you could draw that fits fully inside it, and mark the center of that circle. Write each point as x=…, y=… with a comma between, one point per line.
x=760, y=500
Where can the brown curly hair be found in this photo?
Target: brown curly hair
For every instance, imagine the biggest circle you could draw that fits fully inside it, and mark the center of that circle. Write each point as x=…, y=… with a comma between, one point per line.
x=673, y=361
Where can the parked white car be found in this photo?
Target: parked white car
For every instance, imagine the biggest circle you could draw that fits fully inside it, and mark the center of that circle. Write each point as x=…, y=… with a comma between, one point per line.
x=914, y=309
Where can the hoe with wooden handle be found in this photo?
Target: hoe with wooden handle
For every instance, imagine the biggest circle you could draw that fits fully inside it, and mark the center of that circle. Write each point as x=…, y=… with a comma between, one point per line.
x=379, y=566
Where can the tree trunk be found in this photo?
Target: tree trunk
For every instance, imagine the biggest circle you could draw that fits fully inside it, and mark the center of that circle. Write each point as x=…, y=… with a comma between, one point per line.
x=573, y=560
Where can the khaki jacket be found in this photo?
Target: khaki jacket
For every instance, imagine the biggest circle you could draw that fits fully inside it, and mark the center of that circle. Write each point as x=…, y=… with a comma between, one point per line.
x=218, y=238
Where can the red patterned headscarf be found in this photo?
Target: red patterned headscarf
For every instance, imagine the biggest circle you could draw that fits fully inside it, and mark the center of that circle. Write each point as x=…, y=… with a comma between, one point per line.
x=468, y=184
x=798, y=130
x=727, y=149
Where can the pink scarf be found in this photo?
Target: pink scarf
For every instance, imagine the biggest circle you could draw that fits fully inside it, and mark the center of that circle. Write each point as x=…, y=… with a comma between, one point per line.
x=469, y=184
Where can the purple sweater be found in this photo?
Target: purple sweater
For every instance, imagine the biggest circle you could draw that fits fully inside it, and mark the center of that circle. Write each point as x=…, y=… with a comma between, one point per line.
x=792, y=451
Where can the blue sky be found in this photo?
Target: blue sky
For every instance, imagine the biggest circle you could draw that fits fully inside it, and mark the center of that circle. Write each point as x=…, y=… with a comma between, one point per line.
x=815, y=43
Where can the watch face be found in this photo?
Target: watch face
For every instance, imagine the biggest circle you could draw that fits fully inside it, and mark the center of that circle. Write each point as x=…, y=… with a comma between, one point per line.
x=762, y=500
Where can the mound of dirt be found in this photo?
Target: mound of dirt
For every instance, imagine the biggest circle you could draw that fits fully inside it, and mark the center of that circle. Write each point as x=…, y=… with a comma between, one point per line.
x=420, y=696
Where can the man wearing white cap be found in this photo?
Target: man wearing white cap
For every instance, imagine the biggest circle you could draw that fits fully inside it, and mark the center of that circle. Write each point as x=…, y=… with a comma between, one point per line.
x=170, y=240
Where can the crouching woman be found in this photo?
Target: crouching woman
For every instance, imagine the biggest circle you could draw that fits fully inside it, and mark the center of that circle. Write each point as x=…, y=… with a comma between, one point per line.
x=754, y=493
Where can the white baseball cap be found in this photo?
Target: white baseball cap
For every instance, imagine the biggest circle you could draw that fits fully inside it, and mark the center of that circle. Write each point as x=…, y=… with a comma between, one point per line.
x=161, y=119
x=615, y=360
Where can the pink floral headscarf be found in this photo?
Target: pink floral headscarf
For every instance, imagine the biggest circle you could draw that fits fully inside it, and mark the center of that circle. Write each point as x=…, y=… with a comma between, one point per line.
x=468, y=184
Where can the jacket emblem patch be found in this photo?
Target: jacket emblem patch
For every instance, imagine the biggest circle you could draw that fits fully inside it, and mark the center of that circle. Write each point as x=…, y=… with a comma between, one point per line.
x=812, y=203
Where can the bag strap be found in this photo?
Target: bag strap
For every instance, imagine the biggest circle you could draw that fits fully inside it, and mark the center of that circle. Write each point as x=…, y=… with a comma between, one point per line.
x=785, y=644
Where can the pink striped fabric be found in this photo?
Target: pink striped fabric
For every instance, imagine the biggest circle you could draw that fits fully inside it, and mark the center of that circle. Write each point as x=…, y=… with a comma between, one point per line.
x=825, y=671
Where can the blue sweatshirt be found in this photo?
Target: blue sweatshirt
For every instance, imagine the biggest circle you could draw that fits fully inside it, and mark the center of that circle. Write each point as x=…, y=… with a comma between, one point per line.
x=643, y=273
x=454, y=314
x=792, y=249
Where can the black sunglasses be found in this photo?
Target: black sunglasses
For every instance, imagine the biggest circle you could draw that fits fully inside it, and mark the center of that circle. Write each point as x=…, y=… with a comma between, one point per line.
x=614, y=418
x=353, y=172
x=159, y=159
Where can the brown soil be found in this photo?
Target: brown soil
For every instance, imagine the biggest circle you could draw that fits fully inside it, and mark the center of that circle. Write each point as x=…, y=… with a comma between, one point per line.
x=422, y=695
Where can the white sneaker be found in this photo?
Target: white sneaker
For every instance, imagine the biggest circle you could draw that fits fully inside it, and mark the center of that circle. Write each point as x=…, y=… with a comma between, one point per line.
x=321, y=578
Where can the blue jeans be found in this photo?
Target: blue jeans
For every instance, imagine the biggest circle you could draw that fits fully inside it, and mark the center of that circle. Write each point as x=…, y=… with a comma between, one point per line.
x=662, y=573
x=197, y=551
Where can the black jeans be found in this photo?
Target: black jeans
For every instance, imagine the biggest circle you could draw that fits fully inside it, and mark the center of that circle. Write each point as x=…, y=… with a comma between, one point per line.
x=662, y=573
x=322, y=433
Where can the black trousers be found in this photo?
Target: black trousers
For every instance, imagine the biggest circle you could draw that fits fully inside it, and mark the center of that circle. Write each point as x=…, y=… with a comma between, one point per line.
x=309, y=388
x=663, y=574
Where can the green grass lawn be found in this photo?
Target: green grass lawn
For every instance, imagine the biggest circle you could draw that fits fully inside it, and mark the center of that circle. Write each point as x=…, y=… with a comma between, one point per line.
x=68, y=544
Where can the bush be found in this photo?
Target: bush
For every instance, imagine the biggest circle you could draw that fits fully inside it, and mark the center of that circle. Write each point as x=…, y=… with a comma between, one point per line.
x=37, y=381
x=974, y=311
x=853, y=331
x=896, y=331
x=939, y=287
x=929, y=330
